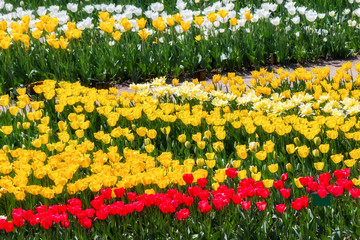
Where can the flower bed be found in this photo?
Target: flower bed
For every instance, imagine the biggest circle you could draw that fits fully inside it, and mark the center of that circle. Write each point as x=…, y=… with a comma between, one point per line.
x=65, y=43
x=202, y=161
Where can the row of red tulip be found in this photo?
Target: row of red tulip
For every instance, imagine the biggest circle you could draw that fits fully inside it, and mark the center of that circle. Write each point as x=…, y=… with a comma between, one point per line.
x=176, y=202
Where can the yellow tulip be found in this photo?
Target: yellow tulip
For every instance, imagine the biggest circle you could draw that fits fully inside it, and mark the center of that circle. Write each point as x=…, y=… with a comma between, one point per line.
x=6, y=129
x=273, y=168
x=210, y=163
x=337, y=158
x=268, y=183
x=236, y=163
x=319, y=166
x=242, y=174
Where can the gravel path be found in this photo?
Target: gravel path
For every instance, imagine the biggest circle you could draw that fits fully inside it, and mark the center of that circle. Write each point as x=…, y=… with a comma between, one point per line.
x=246, y=75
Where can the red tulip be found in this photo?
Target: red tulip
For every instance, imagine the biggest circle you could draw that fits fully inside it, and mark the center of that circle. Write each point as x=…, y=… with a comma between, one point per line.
x=236, y=199
x=102, y=213
x=204, y=195
x=355, y=193
x=46, y=222
x=280, y=208
x=8, y=226
x=131, y=196
x=106, y=193
x=41, y=209
x=321, y=192
x=204, y=206
x=182, y=214
x=284, y=177
x=74, y=202
x=245, y=205
x=194, y=191
x=218, y=203
x=278, y=184
x=96, y=204
x=202, y=182
x=65, y=224
x=335, y=190
x=86, y=223
x=119, y=192
x=90, y=212
x=305, y=180
x=342, y=173
x=188, y=178
x=231, y=172
x=285, y=193
x=261, y=205
x=188, y=201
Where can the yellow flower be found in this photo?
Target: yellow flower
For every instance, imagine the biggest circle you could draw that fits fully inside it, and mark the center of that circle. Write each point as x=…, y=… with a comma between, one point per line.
x=175, y=81
x=149, y=191
x=210, y=163
x=269, y=146
x=303, y=151
x=236, y=163
x=199, y=20
x=242, y=174
x=151, y=133
x=218, y=146
x=319, y=166
x=324, y=148
x=165, y=159
x=141, y=23
x=141, y=131
x=289, y=167
x=297, y=183
x=350, y=162
x=149, y=148
x=316, y=152
x=197, y=137
x=337, y=158
x=182, y=138
x=143, y=34
x=268, y=183
x=201, y=144
x=253, y=169
x=185, y=25
x=261, y=155
x=256, y=176
x=215, y=185
x=6, y=129
x=210, y=156
x=248, y=15
x=200, y=162
x=26, y=125
x=198, y=38
x=13, y=110
x=233, y=21
x=317, y=141
x=273, y=168
x=356, y=181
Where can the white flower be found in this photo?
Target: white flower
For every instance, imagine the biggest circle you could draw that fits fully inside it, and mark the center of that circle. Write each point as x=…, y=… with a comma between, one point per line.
x=292, y=10
x=301, y=10
x=41, y=11
x=296, y=20
x=346, y=11
x=279, y=1
x=325, y=39
x=275, y=21
x=247, y=30
x=9, y=7
x=297, y=34
x=181, y=5
x=216, y=23
x=332, y=13
x=88, y=8
x=321, y=15
x=351, y=1
x=311, y=15
x=357, y=12
x=73, y=7
x=287, y=28
x=157, y=7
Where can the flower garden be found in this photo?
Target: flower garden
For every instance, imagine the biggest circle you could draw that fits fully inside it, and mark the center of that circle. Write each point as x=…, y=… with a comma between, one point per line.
x=219, y=159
